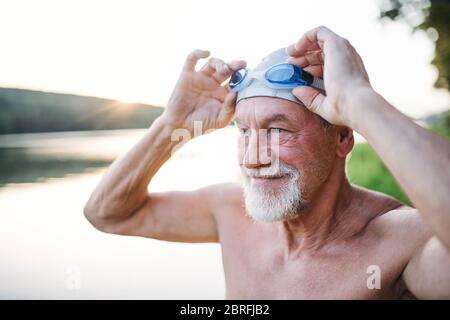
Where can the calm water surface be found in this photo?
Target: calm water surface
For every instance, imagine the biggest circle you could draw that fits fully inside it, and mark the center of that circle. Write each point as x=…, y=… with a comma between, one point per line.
x=47, y=248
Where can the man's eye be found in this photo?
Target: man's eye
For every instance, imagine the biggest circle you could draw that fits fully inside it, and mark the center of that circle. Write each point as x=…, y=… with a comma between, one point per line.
x=275, y=130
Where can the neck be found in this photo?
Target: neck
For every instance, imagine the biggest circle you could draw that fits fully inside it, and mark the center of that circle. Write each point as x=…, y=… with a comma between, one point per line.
x=327, y=218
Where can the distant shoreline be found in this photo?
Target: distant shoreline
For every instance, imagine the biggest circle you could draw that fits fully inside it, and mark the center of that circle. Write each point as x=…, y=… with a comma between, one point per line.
x=30, y=111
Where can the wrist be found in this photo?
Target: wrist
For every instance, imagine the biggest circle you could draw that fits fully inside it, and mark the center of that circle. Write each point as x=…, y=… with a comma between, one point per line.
x=171, y=121
x=161, y=136
x=357, y=105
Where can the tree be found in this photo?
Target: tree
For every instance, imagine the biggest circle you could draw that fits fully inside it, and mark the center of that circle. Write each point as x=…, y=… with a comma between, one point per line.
x=432, y=16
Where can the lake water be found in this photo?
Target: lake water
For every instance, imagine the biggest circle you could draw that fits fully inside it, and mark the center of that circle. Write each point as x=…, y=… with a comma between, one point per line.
x=48, y=249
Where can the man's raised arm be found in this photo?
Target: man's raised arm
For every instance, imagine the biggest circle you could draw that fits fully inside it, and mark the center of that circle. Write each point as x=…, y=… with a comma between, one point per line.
x=121, y=203
x=417, y=158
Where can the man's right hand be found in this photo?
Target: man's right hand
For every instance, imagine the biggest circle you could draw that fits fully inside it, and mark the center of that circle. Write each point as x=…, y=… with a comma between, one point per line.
x=200, y=95
x=121, y=203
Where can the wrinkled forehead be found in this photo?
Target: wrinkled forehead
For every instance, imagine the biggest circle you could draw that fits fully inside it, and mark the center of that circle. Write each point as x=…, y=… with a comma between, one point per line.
x=257, y=111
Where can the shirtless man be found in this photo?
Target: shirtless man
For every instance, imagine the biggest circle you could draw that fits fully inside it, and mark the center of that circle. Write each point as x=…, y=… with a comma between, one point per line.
x=302, y=231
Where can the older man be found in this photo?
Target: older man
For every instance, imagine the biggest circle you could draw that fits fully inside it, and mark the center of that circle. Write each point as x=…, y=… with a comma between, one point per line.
x=297, y=229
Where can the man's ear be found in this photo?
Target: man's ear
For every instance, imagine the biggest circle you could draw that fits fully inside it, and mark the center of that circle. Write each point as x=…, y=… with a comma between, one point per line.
x=345, y=141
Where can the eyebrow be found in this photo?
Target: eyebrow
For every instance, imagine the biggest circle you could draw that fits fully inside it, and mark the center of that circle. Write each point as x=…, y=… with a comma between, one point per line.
x=274, y=118
x=277, y=117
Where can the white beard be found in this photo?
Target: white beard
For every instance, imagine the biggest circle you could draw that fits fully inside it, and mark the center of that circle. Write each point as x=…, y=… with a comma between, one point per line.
x=269, y=204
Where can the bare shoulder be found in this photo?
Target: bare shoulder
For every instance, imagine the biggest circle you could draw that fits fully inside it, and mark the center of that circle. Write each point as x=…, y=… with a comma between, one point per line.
x=402, y=227
x=382, y=210
x=423, y=258
x=403, y=222
x=393, y=221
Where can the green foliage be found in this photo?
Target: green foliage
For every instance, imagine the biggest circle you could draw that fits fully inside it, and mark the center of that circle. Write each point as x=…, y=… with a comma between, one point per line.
x=442, y=125
x=432, y=16
x=366, y=169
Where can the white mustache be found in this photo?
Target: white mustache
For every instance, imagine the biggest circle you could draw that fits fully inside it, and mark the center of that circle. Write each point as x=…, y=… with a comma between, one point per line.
x=271, y=172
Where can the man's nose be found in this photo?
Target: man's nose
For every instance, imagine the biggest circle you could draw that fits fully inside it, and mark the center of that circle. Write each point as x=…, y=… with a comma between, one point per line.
x=256, y=151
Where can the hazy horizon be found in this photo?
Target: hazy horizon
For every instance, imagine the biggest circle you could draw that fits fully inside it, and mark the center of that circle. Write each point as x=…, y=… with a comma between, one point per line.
x=132, y=51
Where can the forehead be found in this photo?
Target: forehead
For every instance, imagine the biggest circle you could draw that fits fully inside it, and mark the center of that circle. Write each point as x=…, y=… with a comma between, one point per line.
x=261, y=109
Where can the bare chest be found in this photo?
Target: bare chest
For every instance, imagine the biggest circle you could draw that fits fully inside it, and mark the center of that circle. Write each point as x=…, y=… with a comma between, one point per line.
x=260, y=270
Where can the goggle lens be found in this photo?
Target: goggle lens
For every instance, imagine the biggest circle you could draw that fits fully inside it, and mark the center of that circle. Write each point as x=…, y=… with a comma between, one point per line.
x=281, y=74
x=237, y=77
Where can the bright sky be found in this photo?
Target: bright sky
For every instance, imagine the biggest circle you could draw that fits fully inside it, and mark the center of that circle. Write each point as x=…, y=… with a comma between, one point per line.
x=133, y=50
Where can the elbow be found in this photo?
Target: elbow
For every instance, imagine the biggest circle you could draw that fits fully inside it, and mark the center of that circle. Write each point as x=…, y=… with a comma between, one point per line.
x=106, y=214
x=94, y=215
x=102, y=217
x=89, y=211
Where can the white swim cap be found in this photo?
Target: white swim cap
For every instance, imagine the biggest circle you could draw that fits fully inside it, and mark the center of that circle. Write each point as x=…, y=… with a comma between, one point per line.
x=258, y=88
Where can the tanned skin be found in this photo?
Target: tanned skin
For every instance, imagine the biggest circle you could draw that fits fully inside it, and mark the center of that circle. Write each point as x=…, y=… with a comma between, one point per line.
x=326, y=250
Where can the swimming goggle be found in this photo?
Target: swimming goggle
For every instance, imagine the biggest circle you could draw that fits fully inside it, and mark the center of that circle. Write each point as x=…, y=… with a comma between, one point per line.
x=280, y=76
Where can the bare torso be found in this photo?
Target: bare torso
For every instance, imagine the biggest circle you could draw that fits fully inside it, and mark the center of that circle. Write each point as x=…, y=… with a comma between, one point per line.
x=258, y=265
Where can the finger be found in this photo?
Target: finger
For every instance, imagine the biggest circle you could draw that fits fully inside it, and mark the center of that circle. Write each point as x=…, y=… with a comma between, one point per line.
x=211, y=66
x=220, y=70
x=226, y=71
x=310, y=58
x=227, y=87
x=311, y=40
x=316, y=70
x=237, y=64
x=193, y=57
x=219, y=93
x=311, y=98
x=228, y=108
